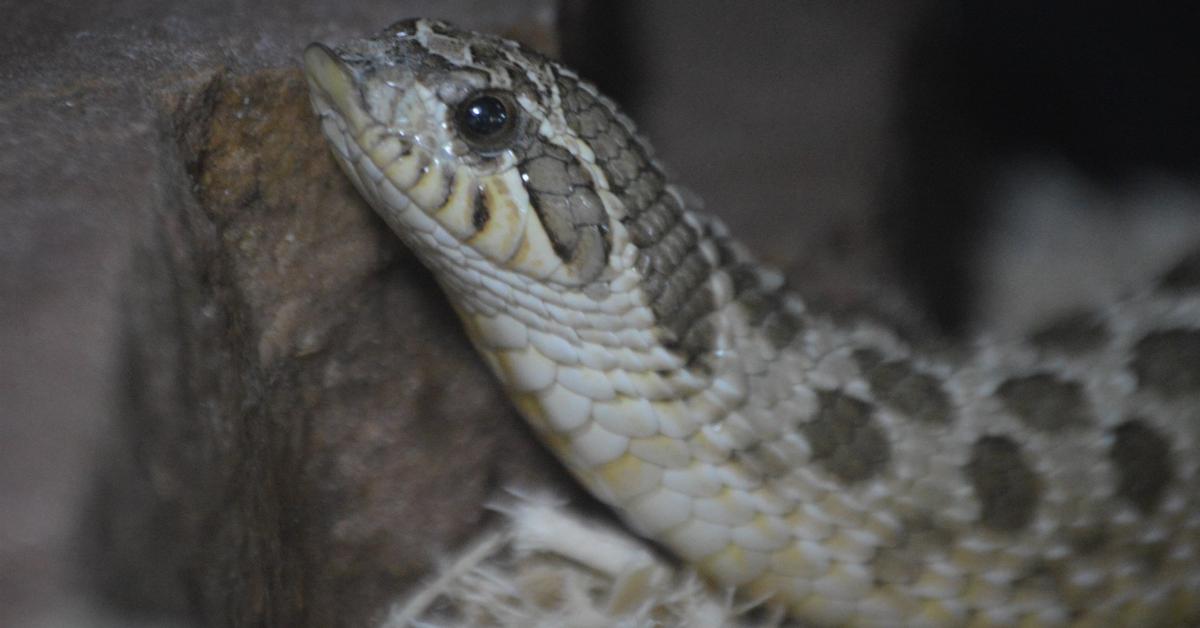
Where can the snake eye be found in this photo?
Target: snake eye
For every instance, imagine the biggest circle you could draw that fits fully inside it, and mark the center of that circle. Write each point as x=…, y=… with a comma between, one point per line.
x=486, y=120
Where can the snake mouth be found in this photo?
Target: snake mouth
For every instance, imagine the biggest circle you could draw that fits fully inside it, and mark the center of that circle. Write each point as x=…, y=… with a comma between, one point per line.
x=374, y=123
x=334, y=85
x=369, y=109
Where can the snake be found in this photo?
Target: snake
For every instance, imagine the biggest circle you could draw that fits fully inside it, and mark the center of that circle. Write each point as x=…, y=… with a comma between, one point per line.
x=827, y=468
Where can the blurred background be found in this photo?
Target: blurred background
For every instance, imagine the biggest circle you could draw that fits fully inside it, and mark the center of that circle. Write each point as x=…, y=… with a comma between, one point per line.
x=951, y=166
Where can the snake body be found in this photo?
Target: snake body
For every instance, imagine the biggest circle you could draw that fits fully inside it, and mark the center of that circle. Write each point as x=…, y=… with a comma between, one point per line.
x=826, y=468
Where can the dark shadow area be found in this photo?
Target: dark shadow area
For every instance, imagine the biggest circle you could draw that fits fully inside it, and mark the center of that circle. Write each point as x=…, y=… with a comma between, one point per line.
x=1111, y=88
x=598, y=41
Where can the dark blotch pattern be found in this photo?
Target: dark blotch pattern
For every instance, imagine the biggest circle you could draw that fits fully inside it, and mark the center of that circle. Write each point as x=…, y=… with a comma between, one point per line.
x=674, y=271
x=764, y=308
x=1006, y=487
x=846, y=439
x=1073, y=334
x=1168, y=362
x=901, y=387
x=1045, y=403
x=565, y=199
x=626, y=162
x=1142, y=459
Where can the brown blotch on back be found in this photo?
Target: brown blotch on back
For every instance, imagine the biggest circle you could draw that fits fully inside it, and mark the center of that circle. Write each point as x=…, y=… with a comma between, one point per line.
x=1073, y=334
x=1142, y=458
x=1045, y=402
x=1006, y=487
x=846, y=439
x=1168, y=362
x=898, y=385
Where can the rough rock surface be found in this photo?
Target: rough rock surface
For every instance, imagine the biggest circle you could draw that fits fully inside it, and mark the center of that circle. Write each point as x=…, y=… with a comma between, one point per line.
x=255, y=406
x=227, y=395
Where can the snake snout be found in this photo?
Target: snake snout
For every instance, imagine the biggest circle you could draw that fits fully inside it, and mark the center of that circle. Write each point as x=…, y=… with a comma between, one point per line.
x=331, y=79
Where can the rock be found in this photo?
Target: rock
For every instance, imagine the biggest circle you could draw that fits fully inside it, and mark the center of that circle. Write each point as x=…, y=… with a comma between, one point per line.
x=292, y=428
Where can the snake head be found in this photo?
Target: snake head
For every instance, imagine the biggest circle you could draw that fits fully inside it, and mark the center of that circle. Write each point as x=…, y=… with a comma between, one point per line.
x=458, y=140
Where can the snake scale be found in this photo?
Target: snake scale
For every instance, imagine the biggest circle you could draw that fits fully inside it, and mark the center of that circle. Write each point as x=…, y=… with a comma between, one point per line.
x=826, y=468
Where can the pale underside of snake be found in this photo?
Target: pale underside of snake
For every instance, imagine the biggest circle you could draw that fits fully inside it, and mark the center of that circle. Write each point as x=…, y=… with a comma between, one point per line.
x=830, y=469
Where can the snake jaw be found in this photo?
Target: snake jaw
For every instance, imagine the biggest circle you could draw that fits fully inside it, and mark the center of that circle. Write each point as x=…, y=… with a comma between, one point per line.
x=383, y=126
x=333, y=84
